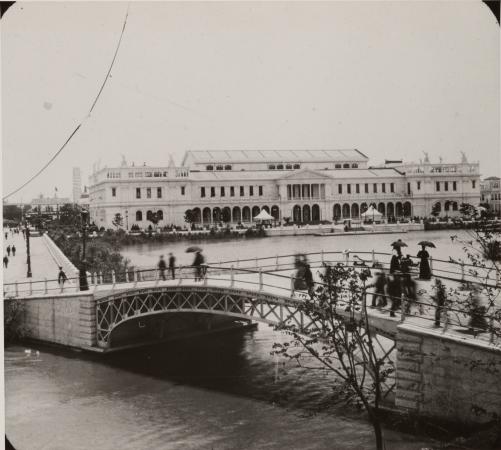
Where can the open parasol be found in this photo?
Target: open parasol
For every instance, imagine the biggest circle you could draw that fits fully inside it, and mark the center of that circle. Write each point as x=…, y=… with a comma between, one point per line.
x=399, y=244
x=193, y=249
x=427, y=244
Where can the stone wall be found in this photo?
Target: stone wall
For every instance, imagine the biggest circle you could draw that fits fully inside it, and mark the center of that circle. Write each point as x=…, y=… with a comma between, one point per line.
x=68, y=320
x=446, y=377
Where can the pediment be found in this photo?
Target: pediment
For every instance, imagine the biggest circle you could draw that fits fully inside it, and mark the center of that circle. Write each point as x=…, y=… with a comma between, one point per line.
x=306, y=174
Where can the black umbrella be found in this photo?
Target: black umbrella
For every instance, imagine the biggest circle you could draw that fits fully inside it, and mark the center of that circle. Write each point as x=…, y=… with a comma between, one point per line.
x=399, y=244
x=427, y=244
x=193, y=249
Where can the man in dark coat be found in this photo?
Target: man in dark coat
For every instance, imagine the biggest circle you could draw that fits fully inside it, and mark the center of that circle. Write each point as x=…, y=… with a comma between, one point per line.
x=8, y=250
x=61, y=277
x=5, y=261
x=13, y=250
x=162, y=267
x=197, y=263
x=172, y=265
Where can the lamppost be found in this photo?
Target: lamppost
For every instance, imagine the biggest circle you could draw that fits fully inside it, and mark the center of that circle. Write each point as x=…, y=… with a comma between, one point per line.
x=84, y=285
x=28, y=256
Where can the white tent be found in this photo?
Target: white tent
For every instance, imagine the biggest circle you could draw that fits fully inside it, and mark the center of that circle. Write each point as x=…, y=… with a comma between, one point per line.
x=263, y=215
x=371, y=213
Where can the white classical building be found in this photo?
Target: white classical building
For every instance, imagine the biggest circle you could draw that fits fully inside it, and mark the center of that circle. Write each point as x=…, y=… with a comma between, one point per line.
x=298, y=185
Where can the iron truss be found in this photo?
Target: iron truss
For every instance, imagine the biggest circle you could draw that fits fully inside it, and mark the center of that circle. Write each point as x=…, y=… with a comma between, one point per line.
x=271, y=309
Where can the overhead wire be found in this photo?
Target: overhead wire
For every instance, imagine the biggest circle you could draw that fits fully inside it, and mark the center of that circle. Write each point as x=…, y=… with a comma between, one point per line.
x=83, y=120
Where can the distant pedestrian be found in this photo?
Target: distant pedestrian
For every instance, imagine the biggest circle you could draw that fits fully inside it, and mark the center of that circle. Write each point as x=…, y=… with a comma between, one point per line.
x=424, y=265
x=162, y=266
x=6, y=235
x=172, y=265
x=8, y=250
x=308, y=279
x=5, y=261
x=13, y=250
x=61, y=277
x=197, y=263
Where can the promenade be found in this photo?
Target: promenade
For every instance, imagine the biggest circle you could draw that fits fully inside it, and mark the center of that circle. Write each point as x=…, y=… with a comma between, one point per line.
x=43, y=264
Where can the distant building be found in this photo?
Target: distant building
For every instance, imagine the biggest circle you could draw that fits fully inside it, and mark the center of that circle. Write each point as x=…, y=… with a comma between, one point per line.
x=83, y=201
x=47, y=206
x=300, y=185
x=490, y=193
x=77, y=184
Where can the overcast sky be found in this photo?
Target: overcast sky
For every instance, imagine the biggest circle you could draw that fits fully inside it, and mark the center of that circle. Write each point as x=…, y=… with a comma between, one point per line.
x=392, y=79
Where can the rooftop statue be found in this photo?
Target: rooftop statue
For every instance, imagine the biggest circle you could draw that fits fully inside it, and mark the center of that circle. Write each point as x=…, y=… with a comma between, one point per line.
x=463, y=158
x=426, y=158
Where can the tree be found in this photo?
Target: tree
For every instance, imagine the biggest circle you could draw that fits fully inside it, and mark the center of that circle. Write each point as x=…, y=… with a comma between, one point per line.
x=12, y=212
x=336, y=333
x=435, y=210
x=189, y=216
x=118, y=220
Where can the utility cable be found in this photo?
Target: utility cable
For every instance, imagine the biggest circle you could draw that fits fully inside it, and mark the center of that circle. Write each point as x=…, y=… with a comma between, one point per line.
x=82, y=121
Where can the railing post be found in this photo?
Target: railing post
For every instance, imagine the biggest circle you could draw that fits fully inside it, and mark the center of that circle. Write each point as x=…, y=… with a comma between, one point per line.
x=205, y=275
x=180, y=275
x=276, y=263
x=126, y=276
x=292, y=284
x=113, y=280
x=46, y=287
x=322, y=255
x=94, y=279
x=256, y=262
x=232, y=277
x=100, y=278
x=260, y=279
x=31, y=287
x=431, y=264
x=491, y=327
x=403, y=306
x=462, y=271
x=347, y=256
x=17, y=289
x=238, y=262
x=373, y=257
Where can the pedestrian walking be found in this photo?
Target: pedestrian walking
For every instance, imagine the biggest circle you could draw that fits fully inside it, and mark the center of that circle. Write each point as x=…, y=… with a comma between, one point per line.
x=439, y=298
x=6, y=235
x=197, y=263
x=13, y=250
x=379, y=292
x=172, y=265
x=8, y=250
x=408, y=284
x=424, y=265
x=394, y=292
x=162, y=266
x=61, y=277
x=395, y=262
x=5, y=261
x=308, y=279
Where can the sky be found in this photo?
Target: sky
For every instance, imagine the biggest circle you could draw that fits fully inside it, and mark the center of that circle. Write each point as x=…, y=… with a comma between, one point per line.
x=392, y=79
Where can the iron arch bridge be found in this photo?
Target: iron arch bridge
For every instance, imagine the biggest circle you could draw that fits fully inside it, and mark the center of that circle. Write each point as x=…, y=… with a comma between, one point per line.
x=237, y=302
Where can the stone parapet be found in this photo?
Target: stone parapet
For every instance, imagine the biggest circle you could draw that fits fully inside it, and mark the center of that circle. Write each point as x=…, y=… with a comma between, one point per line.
x=447, y=377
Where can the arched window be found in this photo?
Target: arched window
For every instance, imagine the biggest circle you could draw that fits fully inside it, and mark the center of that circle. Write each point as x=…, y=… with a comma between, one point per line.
x=209, y=167
x=149, y=215
x=227, y=167
x=288, y=166
x=354, y=166
x=346, y=166
x=160, y=215
x=219, y=167
x=297, y=166
x=139, y=216
x=280, y=166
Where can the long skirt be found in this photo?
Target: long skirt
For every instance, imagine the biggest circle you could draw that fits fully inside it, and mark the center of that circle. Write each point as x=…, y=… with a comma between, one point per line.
x=424, y=269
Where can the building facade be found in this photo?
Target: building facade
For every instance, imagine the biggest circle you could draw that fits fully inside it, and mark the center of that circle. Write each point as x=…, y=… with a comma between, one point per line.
x=48, y=206
x=296, y=185
x=490, y=193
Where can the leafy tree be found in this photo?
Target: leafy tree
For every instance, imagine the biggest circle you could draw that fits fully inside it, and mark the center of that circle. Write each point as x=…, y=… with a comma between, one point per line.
x=12, y=212
x=337, y=335
x=435, y=210
x=70, y=215
x=189, y=217
x=118, y=220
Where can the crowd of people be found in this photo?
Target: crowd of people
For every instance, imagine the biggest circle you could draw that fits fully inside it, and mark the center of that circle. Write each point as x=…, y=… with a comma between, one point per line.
x=10, y=249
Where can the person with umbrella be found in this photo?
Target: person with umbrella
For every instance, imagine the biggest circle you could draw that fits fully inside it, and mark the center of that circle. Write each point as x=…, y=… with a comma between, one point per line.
x=197, y=262
x=424, y=265
x=397, y=245
x=395, y=262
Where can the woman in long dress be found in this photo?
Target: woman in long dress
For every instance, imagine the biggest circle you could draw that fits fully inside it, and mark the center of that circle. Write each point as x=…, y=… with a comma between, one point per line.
x=424, y=265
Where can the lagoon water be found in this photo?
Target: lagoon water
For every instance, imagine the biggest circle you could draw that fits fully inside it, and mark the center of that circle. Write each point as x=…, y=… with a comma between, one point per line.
x=222, y=392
